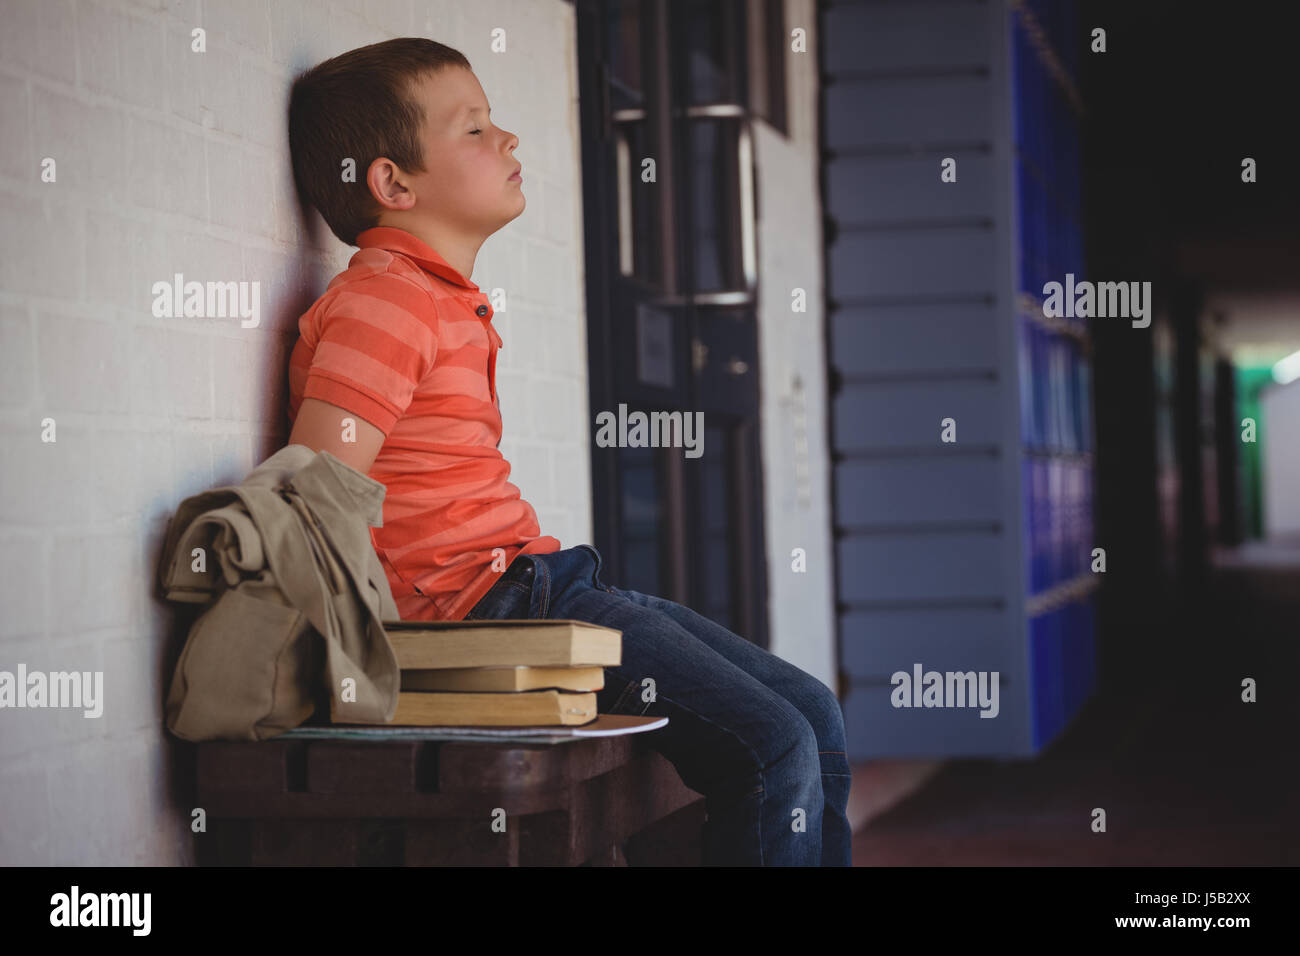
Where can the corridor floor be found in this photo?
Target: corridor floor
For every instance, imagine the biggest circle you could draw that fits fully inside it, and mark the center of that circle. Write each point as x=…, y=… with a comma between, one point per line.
x=1188, y=773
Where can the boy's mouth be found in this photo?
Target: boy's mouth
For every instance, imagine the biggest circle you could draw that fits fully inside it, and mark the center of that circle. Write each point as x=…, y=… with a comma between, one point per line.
x=516, y=174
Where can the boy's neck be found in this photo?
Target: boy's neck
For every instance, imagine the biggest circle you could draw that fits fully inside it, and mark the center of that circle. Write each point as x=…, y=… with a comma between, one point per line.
x=458, y=251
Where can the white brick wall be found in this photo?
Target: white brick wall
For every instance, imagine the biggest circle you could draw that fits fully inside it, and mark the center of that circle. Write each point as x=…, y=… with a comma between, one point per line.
x=172, y=161
x=801, y=604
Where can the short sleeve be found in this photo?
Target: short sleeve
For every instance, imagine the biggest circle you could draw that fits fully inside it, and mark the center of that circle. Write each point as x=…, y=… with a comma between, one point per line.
x=377, y=339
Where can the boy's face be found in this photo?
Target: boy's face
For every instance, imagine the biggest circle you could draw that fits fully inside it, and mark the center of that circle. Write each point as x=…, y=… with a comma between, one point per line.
x=466, y=186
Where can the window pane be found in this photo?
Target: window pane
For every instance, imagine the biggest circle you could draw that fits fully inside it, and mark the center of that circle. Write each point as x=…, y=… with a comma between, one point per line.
x=638, y=208
x=626, y=77
x=654, y=346
x=760, y=42
x=715, y=205
x=713, y=35
x=643, y=515
x=716, y=526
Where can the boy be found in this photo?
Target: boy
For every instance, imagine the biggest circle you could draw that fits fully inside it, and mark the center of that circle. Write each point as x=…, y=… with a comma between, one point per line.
x=401, y=343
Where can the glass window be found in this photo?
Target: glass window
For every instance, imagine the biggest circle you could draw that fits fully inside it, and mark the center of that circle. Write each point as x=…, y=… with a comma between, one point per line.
x=625, y=50
x=639, y=228
x=643, y=514
x=715, y=521
x=714, y=207
x=712, y=33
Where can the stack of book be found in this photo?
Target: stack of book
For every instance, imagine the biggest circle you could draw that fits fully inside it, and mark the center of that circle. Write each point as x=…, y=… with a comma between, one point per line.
x=517, y=673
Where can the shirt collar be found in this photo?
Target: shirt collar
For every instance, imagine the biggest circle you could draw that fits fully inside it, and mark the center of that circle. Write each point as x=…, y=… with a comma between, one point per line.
x=413, y=247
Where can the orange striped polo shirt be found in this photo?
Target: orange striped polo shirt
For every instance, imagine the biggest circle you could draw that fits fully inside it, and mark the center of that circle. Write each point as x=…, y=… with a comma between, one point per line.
x=402, y=340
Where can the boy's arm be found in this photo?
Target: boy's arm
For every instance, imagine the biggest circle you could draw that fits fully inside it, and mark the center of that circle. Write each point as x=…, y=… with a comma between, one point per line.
x=319, y=426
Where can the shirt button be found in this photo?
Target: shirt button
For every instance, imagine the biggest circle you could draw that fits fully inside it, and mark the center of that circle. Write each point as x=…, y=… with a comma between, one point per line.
x=481, y=310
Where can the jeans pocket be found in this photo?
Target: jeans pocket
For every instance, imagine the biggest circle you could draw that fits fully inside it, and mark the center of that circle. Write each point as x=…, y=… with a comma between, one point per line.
x=506, y=599
x=595, y=571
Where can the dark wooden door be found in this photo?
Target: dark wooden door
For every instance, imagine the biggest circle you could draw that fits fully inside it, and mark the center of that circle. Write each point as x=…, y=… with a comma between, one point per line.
x=670, y=254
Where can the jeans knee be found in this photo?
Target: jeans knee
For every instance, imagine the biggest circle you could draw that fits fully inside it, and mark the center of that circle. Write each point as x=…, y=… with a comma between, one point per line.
x=796, y=750
x=824, y=718
x=822, y=709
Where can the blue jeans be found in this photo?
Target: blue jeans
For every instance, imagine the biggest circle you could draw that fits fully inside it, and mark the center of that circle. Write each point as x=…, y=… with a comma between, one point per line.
x=760, y=739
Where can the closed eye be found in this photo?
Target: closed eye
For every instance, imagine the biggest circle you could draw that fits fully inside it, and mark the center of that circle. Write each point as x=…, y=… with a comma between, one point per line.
x=475, y=132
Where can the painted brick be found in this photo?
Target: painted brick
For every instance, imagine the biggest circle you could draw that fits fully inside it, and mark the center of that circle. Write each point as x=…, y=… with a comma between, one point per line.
x=174, y=161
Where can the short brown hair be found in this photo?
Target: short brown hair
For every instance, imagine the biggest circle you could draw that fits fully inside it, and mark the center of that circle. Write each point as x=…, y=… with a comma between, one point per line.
x=359, y=105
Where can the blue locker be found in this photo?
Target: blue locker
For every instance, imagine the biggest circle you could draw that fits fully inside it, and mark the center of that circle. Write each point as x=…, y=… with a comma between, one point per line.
x=965, y=557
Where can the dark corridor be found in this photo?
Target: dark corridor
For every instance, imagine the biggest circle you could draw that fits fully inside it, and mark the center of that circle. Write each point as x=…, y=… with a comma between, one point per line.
x=1198, y=597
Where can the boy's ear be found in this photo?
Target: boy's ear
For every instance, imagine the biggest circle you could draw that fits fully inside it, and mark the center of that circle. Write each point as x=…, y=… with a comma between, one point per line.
x=387, y=185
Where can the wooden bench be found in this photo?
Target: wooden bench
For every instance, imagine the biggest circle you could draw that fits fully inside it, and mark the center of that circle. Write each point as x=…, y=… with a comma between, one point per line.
x=599, y=801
